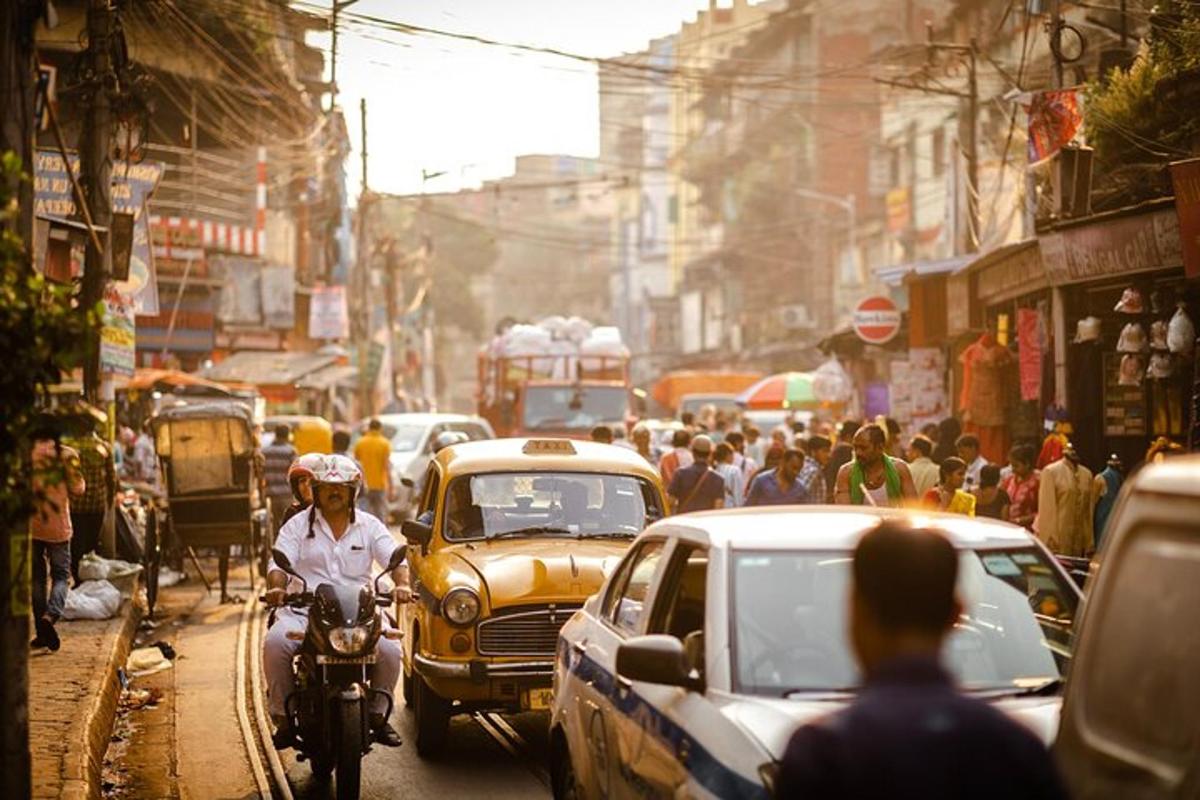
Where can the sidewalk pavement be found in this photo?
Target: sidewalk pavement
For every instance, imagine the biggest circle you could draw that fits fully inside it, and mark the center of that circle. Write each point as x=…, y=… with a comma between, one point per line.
x=73, y=698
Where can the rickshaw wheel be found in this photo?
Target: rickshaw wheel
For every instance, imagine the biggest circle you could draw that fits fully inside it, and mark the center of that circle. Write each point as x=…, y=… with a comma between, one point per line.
x=153, y=559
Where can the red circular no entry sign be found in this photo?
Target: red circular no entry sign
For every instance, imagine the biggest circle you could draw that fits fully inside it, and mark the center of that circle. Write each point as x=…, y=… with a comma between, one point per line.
x=876, y=320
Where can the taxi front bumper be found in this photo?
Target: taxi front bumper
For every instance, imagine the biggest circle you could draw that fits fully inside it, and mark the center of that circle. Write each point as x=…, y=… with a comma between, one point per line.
x=478, y=670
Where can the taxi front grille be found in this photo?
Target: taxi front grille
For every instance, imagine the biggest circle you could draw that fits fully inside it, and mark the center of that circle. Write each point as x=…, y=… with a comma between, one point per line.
x=527, y=633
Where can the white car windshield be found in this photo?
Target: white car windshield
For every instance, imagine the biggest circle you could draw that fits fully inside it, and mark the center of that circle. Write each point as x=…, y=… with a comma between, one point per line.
x=790, y=627
x=405, y=438
x=573, y=504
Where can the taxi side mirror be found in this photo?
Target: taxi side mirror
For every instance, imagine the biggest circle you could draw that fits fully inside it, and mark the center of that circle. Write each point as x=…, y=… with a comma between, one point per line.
x=417, y=533
x=657, y=658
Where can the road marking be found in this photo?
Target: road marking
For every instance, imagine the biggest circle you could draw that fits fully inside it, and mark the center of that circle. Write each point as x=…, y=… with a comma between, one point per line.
x=260, y=710
x=514, y=743
x=260, y=776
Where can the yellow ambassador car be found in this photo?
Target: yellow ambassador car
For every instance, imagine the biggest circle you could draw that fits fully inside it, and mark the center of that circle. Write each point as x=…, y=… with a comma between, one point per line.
x=511, y=537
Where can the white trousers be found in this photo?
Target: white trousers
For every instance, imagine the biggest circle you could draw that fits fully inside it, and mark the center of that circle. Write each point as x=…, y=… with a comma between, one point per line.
x=278, y=651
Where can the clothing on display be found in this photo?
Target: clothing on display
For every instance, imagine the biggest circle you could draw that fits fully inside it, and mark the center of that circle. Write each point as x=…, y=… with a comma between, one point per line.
x=1065, y=511
x=1029, y=352
x=1133, y=339
x=1160, y=366
x=1158, y=335
x=1131, y=302
x=986, y=365
x=1181, y=333
x=1131, y=370
x=1087, y=330
x=1105, y=488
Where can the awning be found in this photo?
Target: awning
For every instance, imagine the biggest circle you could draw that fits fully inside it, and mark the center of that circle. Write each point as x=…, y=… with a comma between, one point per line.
x=334, y=376
x=894, y=274
x=268, y=367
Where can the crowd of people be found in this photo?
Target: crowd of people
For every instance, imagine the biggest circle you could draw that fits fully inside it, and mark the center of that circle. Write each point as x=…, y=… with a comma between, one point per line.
x=716, y=461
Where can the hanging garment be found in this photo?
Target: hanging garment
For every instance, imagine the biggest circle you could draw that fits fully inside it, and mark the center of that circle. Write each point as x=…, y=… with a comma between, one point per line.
x=1160, y=366
x=1181, y=333
x=1131, y=302
x=1158, y=335
x=1029, y=352
x=1105, y=487
x=983, y=394
x=1133, y=339
x=1131, y=370
x=1065, y=511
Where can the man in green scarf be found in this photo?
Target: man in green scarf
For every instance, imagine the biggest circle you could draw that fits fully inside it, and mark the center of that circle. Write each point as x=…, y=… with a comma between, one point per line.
x=874, y=478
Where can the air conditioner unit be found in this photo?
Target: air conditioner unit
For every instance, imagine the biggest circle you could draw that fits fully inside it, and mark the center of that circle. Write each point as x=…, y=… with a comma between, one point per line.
x=795, y=317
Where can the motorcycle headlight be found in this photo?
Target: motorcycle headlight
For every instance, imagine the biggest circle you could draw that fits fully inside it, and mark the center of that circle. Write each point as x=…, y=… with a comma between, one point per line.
x=461, y=606
x=348, y=641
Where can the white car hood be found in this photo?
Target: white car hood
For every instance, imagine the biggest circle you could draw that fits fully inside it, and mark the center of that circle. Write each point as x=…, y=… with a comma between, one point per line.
x=771, y=721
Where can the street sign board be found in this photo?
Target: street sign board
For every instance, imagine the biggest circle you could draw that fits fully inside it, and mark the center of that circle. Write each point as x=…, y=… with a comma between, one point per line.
x=876, y=320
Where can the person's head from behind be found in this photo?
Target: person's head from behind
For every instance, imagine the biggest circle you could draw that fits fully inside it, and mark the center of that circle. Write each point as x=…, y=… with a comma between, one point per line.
x=818, y=448
x=602, y=434
x=736, y=440
x=779, y=435
x=847, y=430
x=903, y=600
x=798, y=428
x=1021, y=458
x=893, y=429
x=752, y=434
x=341, y=441
x=640, y=435
x=723, y=454
x=967, y=446
x=702, y=448
x=681, y=438
x=930, y=431
x=989, y=477
x=282, y=434
x=919, y=447
x=952, y=472
x=774, y=455
x=688, y=419
x=870, y=441
x=375, y=425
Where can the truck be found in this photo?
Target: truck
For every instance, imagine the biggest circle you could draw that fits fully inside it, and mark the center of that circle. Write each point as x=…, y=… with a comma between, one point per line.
x=553, y=394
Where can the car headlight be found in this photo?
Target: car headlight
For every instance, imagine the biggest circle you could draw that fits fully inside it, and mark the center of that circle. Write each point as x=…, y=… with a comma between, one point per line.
x=461, y=606
x=348, y=641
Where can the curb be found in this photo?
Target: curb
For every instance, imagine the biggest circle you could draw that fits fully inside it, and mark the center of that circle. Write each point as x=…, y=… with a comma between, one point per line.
x=88, y=737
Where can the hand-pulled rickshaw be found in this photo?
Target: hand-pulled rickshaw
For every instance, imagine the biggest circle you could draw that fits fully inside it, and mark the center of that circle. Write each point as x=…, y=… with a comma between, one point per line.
x=212, y=479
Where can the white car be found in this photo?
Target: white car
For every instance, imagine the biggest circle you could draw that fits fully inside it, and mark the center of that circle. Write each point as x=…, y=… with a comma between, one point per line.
x=412, y=437
x=720, y=633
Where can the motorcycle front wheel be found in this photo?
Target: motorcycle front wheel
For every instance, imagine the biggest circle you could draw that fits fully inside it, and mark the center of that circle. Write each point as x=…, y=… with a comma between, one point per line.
x=349, y=749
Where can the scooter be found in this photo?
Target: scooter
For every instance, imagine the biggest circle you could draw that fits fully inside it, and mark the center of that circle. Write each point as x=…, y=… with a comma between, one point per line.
x=329, y=707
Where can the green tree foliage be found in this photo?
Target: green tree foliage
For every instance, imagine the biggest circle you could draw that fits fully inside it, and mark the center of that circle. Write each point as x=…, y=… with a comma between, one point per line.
x=1129, y=117
x=42, y=336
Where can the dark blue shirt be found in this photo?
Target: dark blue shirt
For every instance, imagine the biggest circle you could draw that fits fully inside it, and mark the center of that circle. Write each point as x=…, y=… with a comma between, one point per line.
x=911, y=734
x=691, y=497
x=766, y=491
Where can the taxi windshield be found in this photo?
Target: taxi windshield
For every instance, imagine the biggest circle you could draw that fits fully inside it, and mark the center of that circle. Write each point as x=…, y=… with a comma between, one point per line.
x=576, y=504
x=790, y=622
x=574, y=407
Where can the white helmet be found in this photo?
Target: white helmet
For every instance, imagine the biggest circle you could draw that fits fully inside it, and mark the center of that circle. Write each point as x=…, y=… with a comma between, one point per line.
x=337, y=469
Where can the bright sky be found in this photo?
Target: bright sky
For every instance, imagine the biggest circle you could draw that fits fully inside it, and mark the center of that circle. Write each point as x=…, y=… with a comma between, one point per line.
x=466, y=109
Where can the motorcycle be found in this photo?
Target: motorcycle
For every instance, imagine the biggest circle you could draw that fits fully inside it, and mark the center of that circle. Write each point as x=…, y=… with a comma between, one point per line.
x=329, y=707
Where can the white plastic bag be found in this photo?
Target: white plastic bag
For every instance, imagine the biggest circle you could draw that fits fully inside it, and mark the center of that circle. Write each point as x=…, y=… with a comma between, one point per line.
x=119, y=573
x=92, y=600
x=146, y=661
x=1181, y=333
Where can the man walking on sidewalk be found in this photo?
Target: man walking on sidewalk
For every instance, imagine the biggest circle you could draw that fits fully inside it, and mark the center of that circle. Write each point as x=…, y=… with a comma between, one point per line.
x=374, y=453
x=278, y=457
x=56, y=478
x=89, y=509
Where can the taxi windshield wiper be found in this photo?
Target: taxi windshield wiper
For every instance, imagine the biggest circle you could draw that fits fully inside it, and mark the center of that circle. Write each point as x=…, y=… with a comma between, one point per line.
x=821, y=694
x=608, y=535
x=1049, y=686
x=530, y=530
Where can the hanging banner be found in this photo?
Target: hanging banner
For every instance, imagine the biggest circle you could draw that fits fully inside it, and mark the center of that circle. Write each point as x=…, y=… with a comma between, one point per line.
x=132, y=185
x=117, y=338
x=327, y=314
x=1054, y=119
x=1185, y=178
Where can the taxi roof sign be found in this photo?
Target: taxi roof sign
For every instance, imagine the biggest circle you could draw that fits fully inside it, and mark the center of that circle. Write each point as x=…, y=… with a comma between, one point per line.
x=549, y=447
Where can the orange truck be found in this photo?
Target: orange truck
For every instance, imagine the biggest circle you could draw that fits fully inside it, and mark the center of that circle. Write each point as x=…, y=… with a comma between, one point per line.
x=553, y=395
x=686, y=390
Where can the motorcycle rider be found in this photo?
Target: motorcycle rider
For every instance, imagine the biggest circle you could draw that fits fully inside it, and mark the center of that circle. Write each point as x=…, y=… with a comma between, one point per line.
x=337, y=544
x=299, y=476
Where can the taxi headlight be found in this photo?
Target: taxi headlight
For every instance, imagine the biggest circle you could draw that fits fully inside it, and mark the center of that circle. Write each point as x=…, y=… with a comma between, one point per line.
x=461, y=606
x=348, y=641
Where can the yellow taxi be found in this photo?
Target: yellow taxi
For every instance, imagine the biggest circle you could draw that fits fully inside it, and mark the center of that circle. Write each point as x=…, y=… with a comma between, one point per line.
x=511, y=537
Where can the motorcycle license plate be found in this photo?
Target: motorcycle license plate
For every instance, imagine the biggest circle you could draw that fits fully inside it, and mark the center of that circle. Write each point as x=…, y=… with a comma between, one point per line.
x=539, y=699
x=346, y=659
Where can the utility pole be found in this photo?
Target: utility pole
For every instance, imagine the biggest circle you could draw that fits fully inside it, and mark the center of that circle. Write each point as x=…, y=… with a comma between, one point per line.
x=333, y=50
x=95, y=167
x=362, y=282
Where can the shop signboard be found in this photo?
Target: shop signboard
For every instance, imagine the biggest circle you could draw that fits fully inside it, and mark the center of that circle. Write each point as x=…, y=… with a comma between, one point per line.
x=1112, y=247
x=876, y=320
x=1185, y=178
x=1014, y=273
x=899, y=209
x=117, y=342
x=327, y=314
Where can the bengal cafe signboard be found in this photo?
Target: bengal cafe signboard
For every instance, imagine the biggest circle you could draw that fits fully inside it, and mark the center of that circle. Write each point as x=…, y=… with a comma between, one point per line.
x=1112, y=247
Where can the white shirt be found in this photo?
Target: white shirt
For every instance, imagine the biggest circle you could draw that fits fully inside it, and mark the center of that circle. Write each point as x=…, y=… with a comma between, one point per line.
x=973, y=469
x=348, y=561
x=735, y=484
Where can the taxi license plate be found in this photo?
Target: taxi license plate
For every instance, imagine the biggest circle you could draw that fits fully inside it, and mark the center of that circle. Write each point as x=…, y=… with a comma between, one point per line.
x=539, y=699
